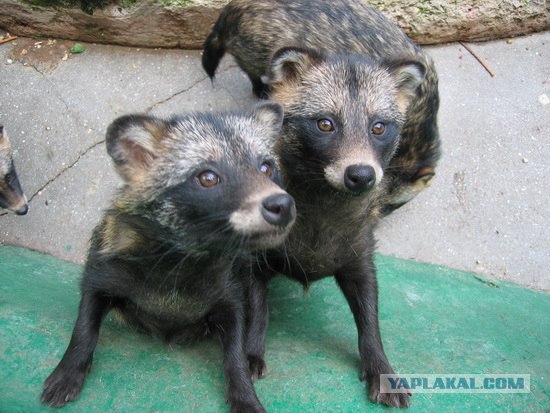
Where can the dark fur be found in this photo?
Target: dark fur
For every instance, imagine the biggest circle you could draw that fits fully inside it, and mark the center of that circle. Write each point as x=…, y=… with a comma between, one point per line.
x=333, y=233
x=252, y=30
x=163, y=255
x=12, y=197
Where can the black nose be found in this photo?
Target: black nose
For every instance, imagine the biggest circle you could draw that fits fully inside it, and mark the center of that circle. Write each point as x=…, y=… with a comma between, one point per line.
x=359, y=178
x=279, y=209
x=23, y=210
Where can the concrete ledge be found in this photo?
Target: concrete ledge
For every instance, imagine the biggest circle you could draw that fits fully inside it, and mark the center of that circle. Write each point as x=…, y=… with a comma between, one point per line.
x=185, y=24
x=433, y=320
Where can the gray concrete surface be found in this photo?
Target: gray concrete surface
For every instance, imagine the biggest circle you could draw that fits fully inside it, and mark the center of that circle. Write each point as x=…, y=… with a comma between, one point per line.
x=487, y=211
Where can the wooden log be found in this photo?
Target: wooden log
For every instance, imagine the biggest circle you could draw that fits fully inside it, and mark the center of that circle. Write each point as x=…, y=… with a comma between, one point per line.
x=185, y=23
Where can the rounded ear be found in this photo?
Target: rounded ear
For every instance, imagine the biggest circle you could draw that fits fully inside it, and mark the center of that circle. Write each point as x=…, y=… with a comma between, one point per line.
x=290, y=63
x=132, y=142
x=270, y=114
x=409, y=75
x=268, y=120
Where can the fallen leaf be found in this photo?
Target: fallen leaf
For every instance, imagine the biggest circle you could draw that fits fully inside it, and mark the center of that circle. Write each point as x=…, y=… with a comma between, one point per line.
x=78, y=48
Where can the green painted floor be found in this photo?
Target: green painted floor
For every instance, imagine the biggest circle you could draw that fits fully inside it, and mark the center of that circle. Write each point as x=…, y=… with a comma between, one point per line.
x=433, y=320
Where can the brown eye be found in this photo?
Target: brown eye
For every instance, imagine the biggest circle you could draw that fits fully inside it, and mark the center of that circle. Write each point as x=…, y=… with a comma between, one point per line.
x=266, y=168
x=325, y=125
x=208, y=179
x=378, y=128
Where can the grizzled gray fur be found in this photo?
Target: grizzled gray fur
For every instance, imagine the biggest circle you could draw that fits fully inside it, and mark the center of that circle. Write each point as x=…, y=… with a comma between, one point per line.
x=252, y=30
x=201, y=193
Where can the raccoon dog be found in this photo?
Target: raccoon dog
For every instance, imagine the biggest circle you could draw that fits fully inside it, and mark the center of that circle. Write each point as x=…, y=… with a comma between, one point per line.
x=12, y=197
x=201, y=192
x=252, y=30
x=343, y=120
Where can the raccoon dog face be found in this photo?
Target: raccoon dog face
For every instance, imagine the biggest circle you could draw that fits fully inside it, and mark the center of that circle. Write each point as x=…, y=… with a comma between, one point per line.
x=344, y=115
x=210, y=180
x=11, y=193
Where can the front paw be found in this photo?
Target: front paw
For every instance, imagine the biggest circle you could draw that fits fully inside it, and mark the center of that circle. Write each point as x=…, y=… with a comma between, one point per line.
x=401, y=400
x=389, y=399
x=246, y=407
x=257, y=366
x=62, y=387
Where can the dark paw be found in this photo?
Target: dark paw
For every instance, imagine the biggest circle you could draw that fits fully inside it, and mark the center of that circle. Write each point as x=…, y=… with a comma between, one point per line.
x=258, y=369
x=406, y=191
x=389, y=399
x=244, y=407
x=425, y=174
x=62, y=387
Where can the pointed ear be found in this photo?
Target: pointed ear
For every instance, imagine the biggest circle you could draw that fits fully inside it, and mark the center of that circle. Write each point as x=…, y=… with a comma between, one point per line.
x=290, y=63
x=132, y=141
x=408, y=75
x=5, y=144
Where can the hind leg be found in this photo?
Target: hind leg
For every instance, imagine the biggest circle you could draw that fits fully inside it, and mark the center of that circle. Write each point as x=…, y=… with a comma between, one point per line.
x=412, y=167
x=405, y=187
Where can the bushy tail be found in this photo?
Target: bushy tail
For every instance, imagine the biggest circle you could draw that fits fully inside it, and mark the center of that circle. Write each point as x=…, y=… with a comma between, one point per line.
x=212, y=53
x=214, y=45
